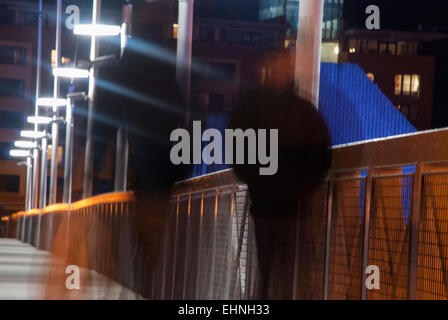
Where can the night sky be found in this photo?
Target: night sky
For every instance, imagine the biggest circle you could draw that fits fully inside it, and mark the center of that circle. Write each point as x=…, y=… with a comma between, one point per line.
x=399, y=14
x=395, y=14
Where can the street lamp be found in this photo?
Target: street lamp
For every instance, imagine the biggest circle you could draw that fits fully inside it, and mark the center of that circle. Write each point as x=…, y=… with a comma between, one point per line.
x=24, y=144
x=96, y=30
x=16, y=153
x=71, y=73
x=39, y=120
x=32, y=134
x=51, y=102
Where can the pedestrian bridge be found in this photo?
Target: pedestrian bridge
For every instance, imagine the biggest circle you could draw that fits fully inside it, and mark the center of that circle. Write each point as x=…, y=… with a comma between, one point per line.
x=384, y=203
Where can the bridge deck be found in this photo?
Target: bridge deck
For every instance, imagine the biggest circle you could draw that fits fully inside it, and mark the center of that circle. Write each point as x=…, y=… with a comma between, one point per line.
x=28, y=273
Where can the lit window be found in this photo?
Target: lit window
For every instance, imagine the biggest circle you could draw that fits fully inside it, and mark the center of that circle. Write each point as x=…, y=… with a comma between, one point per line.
x=402, y=48
x=383, y=48
x=175, y=30
x=407, y=85
x=371, y=76
x=398, y=84
x=392, y=48
x=415, y=86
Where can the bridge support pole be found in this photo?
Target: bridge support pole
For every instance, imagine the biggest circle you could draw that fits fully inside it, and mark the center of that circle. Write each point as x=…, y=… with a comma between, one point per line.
x=55, y=127
x=308, y=51
x=121, y=160
x=88, y=160
x=35, y=188
x=184, y=50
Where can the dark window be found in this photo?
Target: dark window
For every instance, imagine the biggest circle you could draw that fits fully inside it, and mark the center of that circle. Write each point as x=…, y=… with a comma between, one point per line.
x=12, y=55
x=9, y=183
x=12, y=87
x=207, y=34
x=11, y=119
x=218, y=71
x=217, y=101
x=4, y=150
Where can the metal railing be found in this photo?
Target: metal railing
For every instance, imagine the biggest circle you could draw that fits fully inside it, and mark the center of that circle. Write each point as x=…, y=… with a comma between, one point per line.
x=374, y=209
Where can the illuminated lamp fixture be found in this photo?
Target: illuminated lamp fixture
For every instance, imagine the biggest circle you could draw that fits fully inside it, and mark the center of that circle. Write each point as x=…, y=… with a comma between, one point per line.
x=71, y=73
x=51, y=102
x=19, y=153
x=24, y=144
x=98, y=30
x=39, y=120
x=32, y=134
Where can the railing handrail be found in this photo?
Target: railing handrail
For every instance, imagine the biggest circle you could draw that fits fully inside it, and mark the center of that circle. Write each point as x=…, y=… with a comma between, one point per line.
x=105, y=198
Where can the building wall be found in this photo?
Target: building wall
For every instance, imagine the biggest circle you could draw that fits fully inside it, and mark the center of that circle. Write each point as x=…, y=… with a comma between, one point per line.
x=385, y=68
x=331, y=27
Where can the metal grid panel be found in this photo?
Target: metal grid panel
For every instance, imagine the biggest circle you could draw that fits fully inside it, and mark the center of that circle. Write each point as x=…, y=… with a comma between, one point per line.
x=389, y=232
x=311, y=261
x=223, y=245
x=180, y=248
x=432, y=273
x=207, y=246
x=239, y=246
x=169, y=249
x=192, y=258
x=346, y=239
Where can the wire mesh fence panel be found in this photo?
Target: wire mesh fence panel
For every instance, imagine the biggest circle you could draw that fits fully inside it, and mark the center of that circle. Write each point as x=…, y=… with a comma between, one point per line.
x=344, y=280
x=180, y=246
x=432, y=273
x=389, y=232
x=169, y=247
x=312, y=232
x=239, y=246
x=207, y=246
x=254, y=281
x=192, y=257
x=222, y=267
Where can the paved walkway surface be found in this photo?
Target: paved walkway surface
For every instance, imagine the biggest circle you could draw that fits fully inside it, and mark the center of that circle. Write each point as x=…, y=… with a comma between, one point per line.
x=27, y=273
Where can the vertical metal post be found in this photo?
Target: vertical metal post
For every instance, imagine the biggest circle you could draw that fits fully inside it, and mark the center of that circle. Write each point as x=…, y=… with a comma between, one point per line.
x=176, y=236
x=365, y=250
x=184, y=50
x=121, y=160
x=229, y=253
x=416, y=205
x=88, y=162
x=29, y=172
x=187, y=249
x=29, y=178
x=54, y=126
x=43, y=183
x=197, y=297
x=68, y=153
x=34, y=193
x=328, y=235
x=43, y=172
x=308, y=51
x=213, y=260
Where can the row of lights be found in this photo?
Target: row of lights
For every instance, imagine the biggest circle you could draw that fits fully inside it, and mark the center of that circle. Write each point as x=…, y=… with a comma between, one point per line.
x=25, y=147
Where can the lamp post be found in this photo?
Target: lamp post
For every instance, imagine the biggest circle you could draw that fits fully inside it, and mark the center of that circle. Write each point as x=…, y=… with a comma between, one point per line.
x=35, y=192
x=184, y=49
x=308, y=50
x=55, y=127
x=88, y=161
x=18, y=153
x=54, y=104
